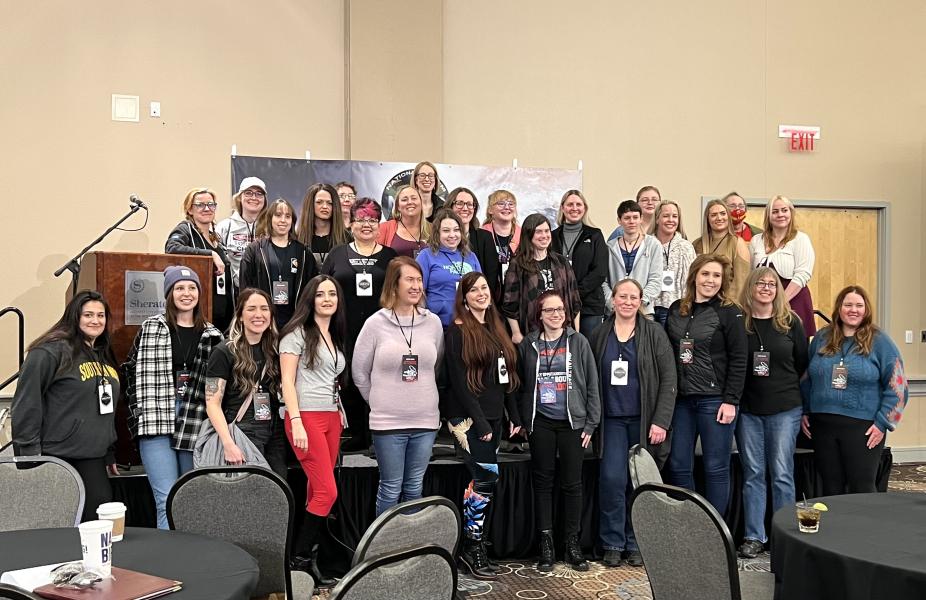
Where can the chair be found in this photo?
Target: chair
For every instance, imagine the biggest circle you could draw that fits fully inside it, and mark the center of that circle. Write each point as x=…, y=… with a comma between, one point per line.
x=11, y=592
x=687, y=549
x=243, y=505
x=6, y=434
x=430, y=520
x=643, y=467
x=425, y=573
x=39, y=491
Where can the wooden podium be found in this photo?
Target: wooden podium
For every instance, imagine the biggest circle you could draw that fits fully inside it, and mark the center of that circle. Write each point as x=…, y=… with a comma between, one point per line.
x=126, y=281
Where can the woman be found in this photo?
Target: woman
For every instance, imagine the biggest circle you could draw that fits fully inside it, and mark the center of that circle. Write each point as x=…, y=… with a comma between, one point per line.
x=463, y=202
x=195, y=235
x=536, y=270
x=502, y=222
x=583, y=246
x=347, y=193
x=637, y=376
x=648, y=197
x=718, y=238
x=243, y=382
x=360, y=269
x=678, y=254
x=560, y=409
x=277, y=262
x=709, y=342
x=770, y=410
x=165, y=375
x=854, y=394
x=238, y=231
x=737, y=207
x=322, y=226
x=408, y=231
x=482, y=373
x=426, y=182
x=395, y=368
x=444, y=264
x=64, y=405
x=636, y=255
x=312, y=360
x=790, y=254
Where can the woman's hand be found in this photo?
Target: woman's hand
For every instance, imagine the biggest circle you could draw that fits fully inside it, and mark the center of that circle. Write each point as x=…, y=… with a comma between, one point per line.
x=513, y=429
x=113, y=469
x=516, y=337
x=487, y=437
x=586, y=439
x=726, y=413
x=805, y=426
x=875, y=436
x=300, y=437
x=233, y=454
x=219, y=265
x=657, y=434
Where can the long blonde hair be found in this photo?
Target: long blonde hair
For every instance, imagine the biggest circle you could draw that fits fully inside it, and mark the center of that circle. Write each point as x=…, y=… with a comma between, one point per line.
x=424, y=227
x=690, y=283
x=781, y=310
x=707, y=234
x=767, y=225
x=663, y=204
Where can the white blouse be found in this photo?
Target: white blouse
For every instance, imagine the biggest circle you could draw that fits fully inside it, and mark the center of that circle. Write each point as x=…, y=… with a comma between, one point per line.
x=792, y=261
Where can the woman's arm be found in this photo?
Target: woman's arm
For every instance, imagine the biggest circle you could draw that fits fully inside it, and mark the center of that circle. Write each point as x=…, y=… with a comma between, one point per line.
x=289, y=366
x=215, y=392
x=362, y=362
x=247, y=270
x=804, y=259
x=511, y=303
x=894, y=388
x=456, y=373
x=28, y=410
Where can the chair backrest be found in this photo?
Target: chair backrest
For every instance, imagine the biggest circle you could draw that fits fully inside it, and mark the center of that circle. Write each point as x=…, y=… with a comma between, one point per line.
x=6, y=430
x=39, y=491
x=687, y=549
x=11, y=592
x=643, y=467
x=425, y=573
x=248, y=506
x=431, y=520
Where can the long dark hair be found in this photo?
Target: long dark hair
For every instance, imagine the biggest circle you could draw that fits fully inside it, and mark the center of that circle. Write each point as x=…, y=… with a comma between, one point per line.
x=306, y=228
x=304, y=318
x=483, y=344
x=244, y=372
x=68, y=329
x=524, y=257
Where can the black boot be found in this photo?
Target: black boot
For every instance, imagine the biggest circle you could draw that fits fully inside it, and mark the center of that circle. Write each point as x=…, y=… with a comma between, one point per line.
x=574, y=554
x=547, y=554
x=306, y=555
x=492, y=564
x=474, y=558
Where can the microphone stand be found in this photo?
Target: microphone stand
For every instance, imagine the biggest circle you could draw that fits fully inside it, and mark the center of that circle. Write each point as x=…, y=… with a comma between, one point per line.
x=73, y=265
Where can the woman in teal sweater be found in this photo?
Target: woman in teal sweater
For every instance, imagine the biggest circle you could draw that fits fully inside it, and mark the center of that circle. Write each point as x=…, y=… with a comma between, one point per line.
x=854, y=394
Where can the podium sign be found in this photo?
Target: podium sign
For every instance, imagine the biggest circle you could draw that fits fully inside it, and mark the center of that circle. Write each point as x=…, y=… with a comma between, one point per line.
x=144, y=296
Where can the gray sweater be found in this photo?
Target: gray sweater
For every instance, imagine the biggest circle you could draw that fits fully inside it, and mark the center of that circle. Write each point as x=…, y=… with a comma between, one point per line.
x=647, y=268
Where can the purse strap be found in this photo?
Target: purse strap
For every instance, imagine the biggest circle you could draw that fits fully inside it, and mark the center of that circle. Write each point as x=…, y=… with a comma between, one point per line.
x=247, y=403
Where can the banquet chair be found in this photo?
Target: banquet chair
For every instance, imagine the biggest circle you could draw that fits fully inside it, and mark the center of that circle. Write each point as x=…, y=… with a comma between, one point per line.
x=245, y=506
x=39, y=491
x=643, y=467
x=11, y=592
x=424, y=573
x=429, y=520
x=687, y=549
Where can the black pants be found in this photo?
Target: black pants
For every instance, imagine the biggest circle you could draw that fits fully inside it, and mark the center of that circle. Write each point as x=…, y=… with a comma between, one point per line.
x=841, y=455
x=96, y=483
x=548, y=437
x=270, y=439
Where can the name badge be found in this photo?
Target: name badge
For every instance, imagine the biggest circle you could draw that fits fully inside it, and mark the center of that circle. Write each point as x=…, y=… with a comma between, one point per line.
x=504, y=269
x=620, y=371
x=761, y=364
x=840, y=377
x=502, y=370
x=220, y=284
x=364, y=283
x=335, y=393
x=457, y=284
x=294, y=265
x=547, y=392
x=668, y=281
x=410, y=368
x=281, y=292
x=261, y=403
x=181, y=381
x=105, y=393
x=686, y=351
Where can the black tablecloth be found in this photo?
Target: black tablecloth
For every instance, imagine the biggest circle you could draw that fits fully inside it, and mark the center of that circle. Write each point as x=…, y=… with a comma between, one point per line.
x=869, y=546
x=209, y=569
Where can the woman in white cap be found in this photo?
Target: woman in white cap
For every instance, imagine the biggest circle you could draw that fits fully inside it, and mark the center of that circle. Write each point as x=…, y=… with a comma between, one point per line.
x=238, y=230
x=165, y=376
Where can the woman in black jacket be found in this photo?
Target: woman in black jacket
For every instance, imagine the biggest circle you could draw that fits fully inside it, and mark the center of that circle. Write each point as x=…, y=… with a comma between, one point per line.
x=277, y=262
x=463, y=202
x=637, y=377
x=709, y=341
x=584, y=247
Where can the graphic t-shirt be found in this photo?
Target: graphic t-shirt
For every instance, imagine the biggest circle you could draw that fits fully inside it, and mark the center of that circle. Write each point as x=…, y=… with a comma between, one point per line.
x=552, y=378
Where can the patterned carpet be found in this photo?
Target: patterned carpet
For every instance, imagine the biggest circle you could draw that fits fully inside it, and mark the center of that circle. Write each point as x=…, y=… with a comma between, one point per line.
x=520, y=580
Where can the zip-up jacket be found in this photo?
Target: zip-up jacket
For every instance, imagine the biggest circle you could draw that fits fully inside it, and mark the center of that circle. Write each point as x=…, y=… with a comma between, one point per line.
x=589, y=259
x=255, y=270
x=186, y=239
x=647, y=268
x=236, y=234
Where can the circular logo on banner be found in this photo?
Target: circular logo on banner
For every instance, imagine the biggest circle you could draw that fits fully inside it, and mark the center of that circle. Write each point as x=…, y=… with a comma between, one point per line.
x=137, y=285
x=392, y=188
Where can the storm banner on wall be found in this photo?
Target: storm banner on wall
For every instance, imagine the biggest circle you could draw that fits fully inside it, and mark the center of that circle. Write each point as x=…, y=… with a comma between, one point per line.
x=536, y=189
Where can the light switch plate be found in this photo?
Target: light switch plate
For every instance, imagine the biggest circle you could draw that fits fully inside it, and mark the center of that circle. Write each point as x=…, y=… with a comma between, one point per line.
x=125, y=108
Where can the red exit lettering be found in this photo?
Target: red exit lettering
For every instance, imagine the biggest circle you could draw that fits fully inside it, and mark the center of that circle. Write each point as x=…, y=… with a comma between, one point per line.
x=801, y=141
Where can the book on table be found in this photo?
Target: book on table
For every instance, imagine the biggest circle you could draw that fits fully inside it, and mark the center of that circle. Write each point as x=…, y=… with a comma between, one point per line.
x=125, y=585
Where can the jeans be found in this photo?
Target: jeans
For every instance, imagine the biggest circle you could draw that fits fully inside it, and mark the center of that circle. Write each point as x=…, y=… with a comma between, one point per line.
x=841, y=455
x=661, y=314
x=164, y=465
x=589, y=323
x=697, y=416
x=619, y=434
x=403, y=459
x=766, y=441
x=548, y=437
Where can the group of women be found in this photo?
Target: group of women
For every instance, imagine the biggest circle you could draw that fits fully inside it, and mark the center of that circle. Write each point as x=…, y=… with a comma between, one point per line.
x=497, y=329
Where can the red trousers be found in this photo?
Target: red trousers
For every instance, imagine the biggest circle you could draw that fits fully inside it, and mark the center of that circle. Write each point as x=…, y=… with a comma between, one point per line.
x=318, y=459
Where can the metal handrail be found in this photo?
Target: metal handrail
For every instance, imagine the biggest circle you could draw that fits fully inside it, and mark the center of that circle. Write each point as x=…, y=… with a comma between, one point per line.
x=22, y=342
x=822, y=316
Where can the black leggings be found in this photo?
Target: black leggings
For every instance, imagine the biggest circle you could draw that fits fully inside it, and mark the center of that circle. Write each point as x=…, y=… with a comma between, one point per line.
x=841, y=455
x=550, y=435
x=96, y=483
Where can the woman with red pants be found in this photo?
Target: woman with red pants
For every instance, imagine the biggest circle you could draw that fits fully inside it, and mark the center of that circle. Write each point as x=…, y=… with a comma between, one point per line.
x=312, y=360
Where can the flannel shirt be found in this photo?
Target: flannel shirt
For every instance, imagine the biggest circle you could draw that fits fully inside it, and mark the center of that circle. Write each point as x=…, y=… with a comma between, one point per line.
x=522, y=290
x=149, y=377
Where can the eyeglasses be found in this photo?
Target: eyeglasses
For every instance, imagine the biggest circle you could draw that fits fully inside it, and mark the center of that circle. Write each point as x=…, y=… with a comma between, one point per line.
x=769, y=285
x=203, y=206
x=551, y=311
x=253, y=194
x=461, y=204
x=505, y=204
x=350, y=197
x=363, y=222
x=426, y=176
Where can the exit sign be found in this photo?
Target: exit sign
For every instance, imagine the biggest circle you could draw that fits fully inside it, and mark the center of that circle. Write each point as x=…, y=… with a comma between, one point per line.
x=800, y=137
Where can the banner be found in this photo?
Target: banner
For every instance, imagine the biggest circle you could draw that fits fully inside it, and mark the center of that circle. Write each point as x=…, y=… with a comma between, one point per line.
x=536, y=189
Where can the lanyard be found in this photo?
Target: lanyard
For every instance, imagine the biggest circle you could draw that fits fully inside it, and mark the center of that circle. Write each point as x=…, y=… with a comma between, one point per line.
x=416, y=238
x=668, y=249
x=368, y=259
x=498, y=243
x=185, y=353
x=714, y=249
x=411, y=330
x=453, y=265
x=272, y=262
x=842, y=359
x=636, y=244
x=334, y=355
x=620, y=345
x=548, y=356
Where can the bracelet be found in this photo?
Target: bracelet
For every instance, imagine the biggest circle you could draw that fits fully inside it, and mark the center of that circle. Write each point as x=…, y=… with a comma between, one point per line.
x=294, y=418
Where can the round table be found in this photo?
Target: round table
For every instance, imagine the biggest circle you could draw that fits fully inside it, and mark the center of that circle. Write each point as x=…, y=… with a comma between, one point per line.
x=868, y=546
x=209, y=569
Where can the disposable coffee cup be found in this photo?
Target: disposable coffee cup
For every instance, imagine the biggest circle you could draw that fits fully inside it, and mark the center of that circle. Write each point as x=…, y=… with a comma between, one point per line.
x=115, y=512
x=96, y=543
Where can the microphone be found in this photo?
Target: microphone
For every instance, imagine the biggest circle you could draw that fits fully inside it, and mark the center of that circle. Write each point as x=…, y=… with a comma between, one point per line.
x=136, y=201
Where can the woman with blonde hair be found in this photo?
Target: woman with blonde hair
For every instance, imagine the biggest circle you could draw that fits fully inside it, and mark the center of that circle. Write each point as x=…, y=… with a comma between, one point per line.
x=677, y=253
x=719, y=238
x=408, y=231
x=322, y=226
x=502, y=221
x=789, y=252
x=426, y=182
x=238, y=230
x=770, y=409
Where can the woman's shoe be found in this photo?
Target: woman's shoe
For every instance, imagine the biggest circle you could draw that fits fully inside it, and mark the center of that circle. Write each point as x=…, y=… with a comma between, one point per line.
x=474, y=558
x=309, y=564
x=574, y=555
x=547, y=554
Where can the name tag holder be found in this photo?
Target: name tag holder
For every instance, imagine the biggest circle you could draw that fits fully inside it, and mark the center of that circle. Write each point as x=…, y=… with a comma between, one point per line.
x=105, y=394
x=364, y=284
x=668, y=281
x=409, y=368
x=280, y=292
x=761, y=364
x=686, y=351
x=840, y=377
x=620, y=372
